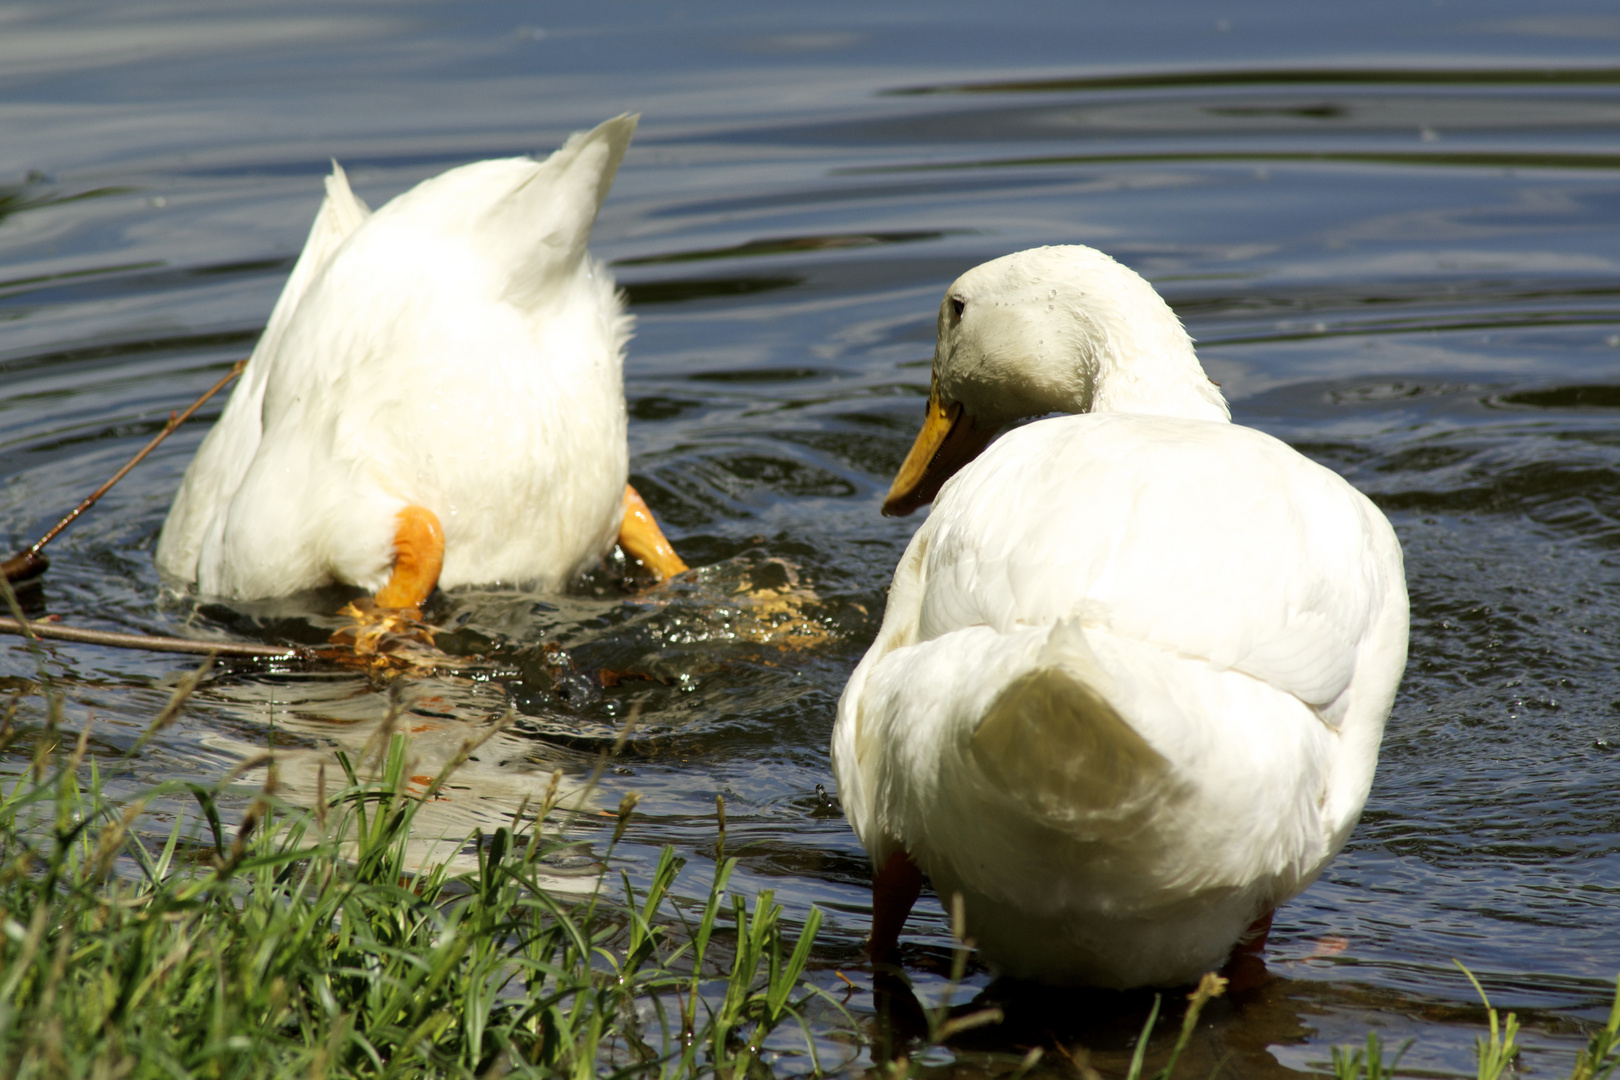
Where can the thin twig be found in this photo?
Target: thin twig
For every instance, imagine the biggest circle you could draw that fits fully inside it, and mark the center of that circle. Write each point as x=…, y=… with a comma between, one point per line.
x=154, y=643
x=29, y=563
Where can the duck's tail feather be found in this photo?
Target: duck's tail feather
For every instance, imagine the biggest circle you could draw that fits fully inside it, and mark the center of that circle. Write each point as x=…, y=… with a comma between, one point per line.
x=346, y=209
x=551, y=212
x=341, y=213
x=1054, y=741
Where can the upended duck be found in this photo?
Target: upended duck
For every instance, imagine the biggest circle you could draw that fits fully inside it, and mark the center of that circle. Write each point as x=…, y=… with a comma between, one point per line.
x=1130, y=686
x=437, y=399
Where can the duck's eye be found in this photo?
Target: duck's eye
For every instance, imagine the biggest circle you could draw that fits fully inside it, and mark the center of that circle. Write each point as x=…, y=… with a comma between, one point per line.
x=957, y=306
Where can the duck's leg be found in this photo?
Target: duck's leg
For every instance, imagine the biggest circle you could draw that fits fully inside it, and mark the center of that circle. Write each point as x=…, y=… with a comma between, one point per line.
x=895, y=887
x=1254, y=938
x=418, y=558
x=1246, y=968
x=644, y=541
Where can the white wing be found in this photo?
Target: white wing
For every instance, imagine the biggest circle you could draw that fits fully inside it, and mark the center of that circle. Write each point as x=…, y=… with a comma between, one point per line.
x=225, y=454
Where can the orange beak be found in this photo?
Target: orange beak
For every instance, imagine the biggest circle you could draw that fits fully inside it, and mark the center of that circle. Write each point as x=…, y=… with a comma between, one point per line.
x=949, y=439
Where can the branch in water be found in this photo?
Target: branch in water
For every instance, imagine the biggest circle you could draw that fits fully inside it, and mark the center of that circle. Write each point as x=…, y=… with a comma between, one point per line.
x=28, y=563
x=154, y=643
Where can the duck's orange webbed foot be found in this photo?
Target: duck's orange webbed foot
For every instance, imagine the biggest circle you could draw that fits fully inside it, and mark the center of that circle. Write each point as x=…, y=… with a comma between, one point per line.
x=392, y=618
x=643, y=540
x=379, y=636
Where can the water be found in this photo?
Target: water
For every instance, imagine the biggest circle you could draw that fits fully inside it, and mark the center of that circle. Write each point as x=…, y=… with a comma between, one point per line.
x=1391, y=227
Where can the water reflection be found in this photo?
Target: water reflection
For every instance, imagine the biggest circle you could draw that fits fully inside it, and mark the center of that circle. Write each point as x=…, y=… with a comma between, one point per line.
x=1403, y=265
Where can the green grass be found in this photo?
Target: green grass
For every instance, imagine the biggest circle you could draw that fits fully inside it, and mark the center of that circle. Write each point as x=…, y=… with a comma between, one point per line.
x=302, y=943
x=1494, y=1052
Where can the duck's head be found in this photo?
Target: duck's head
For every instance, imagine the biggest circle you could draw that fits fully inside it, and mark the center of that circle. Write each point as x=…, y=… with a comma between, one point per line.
x=1052, y=329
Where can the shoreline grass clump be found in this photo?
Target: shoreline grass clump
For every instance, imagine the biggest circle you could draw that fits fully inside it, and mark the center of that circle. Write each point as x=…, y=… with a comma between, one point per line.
x=304, y=943
x=1494, y=1053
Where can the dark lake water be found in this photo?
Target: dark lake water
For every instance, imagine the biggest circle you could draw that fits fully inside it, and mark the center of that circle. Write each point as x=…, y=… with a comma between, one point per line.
x=1394, y=229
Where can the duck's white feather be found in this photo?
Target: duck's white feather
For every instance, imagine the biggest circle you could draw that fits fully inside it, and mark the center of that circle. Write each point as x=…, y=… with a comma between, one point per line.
x=228, y=449
x=459, y=350
x=1128, y=691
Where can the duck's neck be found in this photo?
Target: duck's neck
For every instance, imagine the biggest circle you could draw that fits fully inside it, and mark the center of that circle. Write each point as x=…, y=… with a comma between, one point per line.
x=1153, y=369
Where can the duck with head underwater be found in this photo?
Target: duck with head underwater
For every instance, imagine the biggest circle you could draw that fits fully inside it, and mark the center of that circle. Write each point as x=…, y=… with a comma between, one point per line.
x=1131, y=682
x=437, y=399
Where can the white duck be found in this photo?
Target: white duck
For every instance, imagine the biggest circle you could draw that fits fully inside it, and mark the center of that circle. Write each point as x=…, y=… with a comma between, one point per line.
x=437, y=398
x=1129, y=689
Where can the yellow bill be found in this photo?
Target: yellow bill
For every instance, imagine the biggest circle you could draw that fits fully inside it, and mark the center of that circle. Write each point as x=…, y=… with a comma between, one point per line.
x=949, y=439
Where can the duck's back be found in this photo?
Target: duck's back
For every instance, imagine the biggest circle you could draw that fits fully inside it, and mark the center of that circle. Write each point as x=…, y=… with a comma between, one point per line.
x=1211, y=540
x=458, y=350
x=1128, y=692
